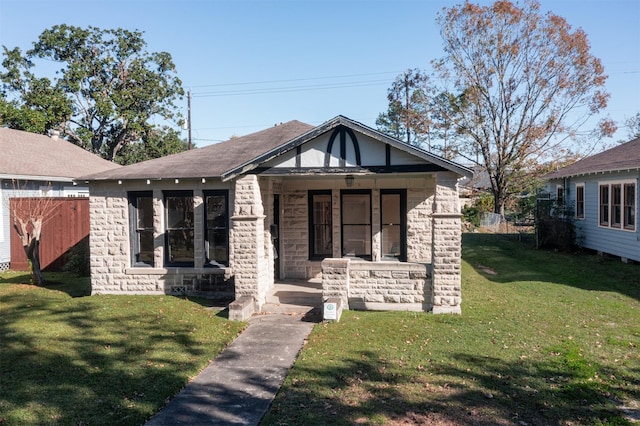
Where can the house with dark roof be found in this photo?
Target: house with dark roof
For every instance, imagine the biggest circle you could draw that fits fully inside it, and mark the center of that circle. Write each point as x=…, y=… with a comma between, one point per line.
x=375, y=220
x=601, y=194
x=34, y=165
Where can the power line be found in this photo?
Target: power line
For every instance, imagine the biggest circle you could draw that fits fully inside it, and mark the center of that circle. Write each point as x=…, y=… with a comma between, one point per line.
x=270, y=90
x=297, y=79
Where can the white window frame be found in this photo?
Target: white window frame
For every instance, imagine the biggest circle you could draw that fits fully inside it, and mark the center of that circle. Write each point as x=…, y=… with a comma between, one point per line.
x=584, y=201
x=623, y=218
x=560, y=196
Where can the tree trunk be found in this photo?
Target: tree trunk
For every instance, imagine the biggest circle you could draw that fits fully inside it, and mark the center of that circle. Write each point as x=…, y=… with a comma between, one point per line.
x=31, y=245
x=33, y=254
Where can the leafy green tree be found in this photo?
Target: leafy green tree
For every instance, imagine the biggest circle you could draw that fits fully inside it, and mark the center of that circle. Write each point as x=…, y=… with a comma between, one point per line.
x=529, y=83
x=407, y=117
x=108, y=92
x=158, y=143
x=633, y=126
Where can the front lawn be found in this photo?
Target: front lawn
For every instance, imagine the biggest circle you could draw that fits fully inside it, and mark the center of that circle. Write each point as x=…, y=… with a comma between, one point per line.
x=99, y=360
x=544, y=338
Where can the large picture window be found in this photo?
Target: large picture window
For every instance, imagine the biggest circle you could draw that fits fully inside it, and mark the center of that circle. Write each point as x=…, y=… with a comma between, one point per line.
x=393, y=224
x=580, y=201
x=141, y=225
x=216, y=228
x=618, y=205
x=179, y=233
x=320, y=225
x=356, y=224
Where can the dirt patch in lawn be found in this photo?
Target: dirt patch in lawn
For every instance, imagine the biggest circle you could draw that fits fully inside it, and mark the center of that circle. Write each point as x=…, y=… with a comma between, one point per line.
x=486, y=269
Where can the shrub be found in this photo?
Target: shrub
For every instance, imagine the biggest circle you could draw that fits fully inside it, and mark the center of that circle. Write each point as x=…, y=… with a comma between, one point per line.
x=78, y=260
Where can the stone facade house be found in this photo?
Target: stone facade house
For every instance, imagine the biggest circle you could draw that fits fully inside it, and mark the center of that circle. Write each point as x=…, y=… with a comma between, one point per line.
x=376, y=220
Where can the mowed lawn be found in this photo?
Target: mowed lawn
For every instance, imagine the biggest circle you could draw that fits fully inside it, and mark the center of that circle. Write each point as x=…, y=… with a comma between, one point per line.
x=544, y=339
x=98, y=360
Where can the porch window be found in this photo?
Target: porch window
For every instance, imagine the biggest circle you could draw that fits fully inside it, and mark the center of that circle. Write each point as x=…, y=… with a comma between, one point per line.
x=630, y=206
x=179, y=234
x=216, y=228
x=141, y=226
x=393, y=224
x=320, y=225
x=580, y=201
x=356, y=223
x=604, y=205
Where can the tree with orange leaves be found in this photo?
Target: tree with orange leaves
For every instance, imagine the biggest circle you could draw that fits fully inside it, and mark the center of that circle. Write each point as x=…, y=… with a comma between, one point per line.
x=528, y=82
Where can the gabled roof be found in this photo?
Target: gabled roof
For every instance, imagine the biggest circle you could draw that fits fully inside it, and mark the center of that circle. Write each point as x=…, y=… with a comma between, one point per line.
x=620, y=158
x=209, y=161
x=227, y=160
x=354, y=125
x=25, y=155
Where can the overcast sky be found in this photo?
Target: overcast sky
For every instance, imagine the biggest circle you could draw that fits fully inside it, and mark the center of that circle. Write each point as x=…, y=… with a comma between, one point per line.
x=252, y=64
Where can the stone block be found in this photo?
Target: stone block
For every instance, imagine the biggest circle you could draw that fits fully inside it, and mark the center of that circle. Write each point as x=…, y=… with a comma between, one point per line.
x=242, y=308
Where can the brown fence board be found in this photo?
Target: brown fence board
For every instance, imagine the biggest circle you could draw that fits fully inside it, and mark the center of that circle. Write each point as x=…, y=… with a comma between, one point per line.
x=67, y=226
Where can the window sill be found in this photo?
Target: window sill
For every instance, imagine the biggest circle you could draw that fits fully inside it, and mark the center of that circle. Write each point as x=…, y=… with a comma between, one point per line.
x=175, y=271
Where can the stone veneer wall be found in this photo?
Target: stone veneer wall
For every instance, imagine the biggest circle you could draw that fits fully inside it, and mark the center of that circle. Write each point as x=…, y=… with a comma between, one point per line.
x=377, y=285
x=250, y=267
x=111, y=271
x=294, y=234
x=294, y=226
x=447, y=246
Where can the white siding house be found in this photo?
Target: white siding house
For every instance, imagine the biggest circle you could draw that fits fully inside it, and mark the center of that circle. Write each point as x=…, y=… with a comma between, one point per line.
x=601, y=194
x=33, y=165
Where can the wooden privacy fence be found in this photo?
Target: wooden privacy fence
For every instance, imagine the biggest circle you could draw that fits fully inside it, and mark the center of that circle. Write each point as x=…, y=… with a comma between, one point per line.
x=64, y=228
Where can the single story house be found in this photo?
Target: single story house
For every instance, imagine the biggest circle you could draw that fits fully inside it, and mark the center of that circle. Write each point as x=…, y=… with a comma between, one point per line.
x=601, y=193
x=34, y=165
x=376, y=219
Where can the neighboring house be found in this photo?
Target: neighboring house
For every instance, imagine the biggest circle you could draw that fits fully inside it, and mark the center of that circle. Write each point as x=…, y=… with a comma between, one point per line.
x=471, y=188
x=376, y=219
x=601, y=194
x=33, y=165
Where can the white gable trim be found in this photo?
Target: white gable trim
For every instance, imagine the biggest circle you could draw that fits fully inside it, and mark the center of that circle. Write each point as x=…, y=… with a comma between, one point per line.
x=292, y=149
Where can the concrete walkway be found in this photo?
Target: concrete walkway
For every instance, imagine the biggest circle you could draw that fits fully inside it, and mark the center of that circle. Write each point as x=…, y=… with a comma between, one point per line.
x=240, y=384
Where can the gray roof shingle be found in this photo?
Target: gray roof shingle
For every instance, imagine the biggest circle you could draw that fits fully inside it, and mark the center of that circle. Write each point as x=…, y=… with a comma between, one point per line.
x=35, y=155
x=209, y=161
x=625, y=156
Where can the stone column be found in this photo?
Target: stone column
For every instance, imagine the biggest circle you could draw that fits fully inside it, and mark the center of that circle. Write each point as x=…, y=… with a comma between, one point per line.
x=335, y=280
x=447, y=245
x=250, y=264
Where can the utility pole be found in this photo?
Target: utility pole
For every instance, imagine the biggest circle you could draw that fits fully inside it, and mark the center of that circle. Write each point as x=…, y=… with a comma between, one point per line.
x=189, y=116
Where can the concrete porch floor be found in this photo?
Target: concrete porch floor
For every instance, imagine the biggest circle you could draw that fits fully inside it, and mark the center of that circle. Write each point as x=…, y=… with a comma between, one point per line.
x=295, y=297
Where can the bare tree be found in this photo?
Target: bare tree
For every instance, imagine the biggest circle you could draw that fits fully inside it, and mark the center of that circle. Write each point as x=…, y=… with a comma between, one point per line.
x=528, y=82
x=29, y=215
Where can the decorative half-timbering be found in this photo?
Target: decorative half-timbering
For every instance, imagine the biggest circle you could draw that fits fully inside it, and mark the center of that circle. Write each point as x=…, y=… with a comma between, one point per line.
x=376, y=220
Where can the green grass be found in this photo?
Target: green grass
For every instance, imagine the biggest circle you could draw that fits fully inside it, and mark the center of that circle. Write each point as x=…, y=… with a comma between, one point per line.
x=544, y=338
x=100, y=360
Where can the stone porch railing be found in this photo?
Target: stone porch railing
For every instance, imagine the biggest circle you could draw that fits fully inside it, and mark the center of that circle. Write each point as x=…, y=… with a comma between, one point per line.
x=378, y=285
